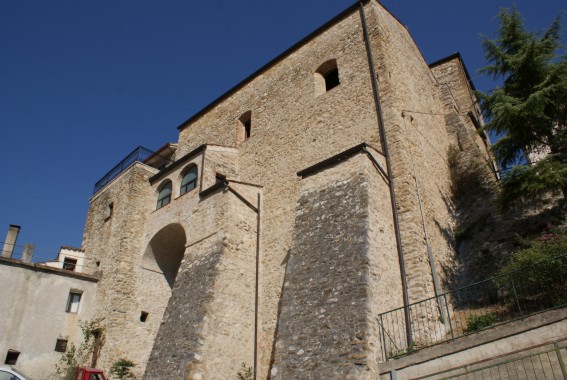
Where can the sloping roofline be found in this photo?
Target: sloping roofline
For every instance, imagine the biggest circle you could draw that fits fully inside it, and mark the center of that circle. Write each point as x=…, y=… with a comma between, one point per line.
x=458, y=56
x=271, y=63
x=281, y=56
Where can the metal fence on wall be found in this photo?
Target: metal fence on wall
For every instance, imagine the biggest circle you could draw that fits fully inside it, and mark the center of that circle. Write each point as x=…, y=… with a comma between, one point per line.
x=545, y=361
x=473, y=308
x=140, y=154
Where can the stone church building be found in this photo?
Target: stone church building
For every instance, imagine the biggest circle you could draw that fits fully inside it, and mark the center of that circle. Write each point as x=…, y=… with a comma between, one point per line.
x=290, y=213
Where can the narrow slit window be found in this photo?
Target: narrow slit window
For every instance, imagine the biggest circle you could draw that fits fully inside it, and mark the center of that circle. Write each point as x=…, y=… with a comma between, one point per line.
x=73, y=302
x=247, y=127
x=144, y=316
x=244, y=129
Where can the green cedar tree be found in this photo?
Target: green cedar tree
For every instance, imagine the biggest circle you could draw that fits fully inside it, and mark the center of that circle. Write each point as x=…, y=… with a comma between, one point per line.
x=529, y=109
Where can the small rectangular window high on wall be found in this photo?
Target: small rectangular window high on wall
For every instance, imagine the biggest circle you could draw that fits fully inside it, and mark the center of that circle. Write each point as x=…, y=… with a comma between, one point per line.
x=326, y=77
x=73, y=301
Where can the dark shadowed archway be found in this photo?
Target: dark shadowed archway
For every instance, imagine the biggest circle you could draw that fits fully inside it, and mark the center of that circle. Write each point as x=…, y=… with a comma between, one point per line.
x=165, y=252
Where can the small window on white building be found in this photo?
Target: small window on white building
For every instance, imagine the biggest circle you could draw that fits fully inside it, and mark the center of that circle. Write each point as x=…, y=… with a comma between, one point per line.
x=73, y=301
x=61, y=345
x=12, y=357
x=69, y=264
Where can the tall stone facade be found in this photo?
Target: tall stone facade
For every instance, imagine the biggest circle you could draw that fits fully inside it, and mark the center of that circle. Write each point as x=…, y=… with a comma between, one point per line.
x=304, y=220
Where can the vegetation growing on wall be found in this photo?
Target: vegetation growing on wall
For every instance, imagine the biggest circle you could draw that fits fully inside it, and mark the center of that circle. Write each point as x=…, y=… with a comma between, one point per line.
x=479, y=322
x=78, y=356
x=544, y=263
x=245, y=373
x=122, y=369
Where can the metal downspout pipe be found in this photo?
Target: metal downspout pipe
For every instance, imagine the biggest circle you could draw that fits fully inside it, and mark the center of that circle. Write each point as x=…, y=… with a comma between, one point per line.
x=384, y=143
x=256, y=288
x=256, y=209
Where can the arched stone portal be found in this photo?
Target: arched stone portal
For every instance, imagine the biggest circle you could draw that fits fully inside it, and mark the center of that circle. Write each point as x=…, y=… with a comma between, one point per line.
x=165, y=252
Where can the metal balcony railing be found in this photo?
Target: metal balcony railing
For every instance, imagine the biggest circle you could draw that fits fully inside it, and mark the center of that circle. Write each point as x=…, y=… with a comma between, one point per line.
x=463, y=311
x=140, y=154
x=543, y=361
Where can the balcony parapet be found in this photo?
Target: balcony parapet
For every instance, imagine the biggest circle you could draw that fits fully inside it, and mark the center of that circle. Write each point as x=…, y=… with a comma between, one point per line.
x=140, y=154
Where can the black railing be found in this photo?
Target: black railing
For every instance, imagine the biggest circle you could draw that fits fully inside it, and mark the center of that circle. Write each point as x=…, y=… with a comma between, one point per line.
x=140, y=154
x=543, y=361
x=473, y=308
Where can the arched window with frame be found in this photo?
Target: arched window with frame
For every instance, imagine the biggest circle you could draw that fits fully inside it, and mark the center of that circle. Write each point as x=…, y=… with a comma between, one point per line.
x=189, y=179
x=164, y=195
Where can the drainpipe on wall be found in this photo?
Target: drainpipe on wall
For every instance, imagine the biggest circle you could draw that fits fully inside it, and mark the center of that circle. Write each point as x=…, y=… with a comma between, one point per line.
x=256, y=291
x=384, y=143
x=10, y=241
x=256, y=209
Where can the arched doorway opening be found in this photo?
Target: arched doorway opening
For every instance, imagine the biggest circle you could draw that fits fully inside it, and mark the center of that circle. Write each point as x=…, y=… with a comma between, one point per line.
x=165, y=252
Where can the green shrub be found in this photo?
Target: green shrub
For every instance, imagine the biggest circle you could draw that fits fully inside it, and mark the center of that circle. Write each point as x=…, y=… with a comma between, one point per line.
x=479, y=322
x=540, y=268
x=543, y=260
x=401, y=352
x=245, y=374
x=122, y=369
x=93, y=335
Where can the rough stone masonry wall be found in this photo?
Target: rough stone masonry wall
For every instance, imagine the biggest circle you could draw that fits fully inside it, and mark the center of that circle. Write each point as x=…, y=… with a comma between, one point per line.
x=219, y=160
x=338, y=274
x=322, y=324
x=485, y=236
x=418, y=142
x=177, y=343
x=291, y=129
x=207, y=330
x=175, y=232
x=229, y=330
x=112, y=245
x=459, y=98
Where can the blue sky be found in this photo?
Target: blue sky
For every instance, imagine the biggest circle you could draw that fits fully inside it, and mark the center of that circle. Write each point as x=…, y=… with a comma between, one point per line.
x=82, y=83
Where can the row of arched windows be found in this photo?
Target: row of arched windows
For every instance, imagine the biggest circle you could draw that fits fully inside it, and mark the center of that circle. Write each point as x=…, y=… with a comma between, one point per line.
x=188, y=182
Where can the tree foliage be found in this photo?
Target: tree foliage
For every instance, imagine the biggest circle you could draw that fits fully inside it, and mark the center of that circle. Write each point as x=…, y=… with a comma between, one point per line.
x=529, y=109
x=122, y=369
x=75, y=356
